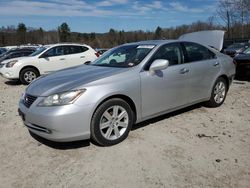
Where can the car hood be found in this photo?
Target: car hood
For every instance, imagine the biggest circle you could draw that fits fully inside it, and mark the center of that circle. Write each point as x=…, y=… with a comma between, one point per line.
x=212, y=38
x=72, y=78
x=8, y=60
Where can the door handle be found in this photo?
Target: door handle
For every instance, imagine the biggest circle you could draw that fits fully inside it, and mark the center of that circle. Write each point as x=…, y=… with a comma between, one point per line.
x=216, y=64
x=184, y=71
x=82, y=57
x=62, y=59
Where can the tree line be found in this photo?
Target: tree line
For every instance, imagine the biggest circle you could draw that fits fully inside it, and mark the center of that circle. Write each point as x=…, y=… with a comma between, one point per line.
x=235, y=15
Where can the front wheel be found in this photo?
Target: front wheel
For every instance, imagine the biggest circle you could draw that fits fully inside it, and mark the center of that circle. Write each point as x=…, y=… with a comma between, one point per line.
x=111, y=122
x=27, y=75
x=218, y=94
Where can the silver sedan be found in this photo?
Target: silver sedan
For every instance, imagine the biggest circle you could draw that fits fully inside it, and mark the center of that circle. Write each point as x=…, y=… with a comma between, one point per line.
x=128, y=84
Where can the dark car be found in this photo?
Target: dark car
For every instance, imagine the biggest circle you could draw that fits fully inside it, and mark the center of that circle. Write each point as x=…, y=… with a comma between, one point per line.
x=236, y=48
x=243, y=64
x=2, y=50
x=16, y=53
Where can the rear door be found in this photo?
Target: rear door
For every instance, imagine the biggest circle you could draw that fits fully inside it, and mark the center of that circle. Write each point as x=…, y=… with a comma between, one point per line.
x=75, y=55
x=204, y=69
x=167, y=89
x=52, y=60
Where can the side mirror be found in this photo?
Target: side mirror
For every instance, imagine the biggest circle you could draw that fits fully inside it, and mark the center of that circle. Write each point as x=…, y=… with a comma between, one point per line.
x=158, y=64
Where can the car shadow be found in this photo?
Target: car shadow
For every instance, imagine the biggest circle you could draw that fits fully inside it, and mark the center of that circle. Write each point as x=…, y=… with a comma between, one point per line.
x=165, y=116
x=61, y=145
x=13, y=82
x=242, y=79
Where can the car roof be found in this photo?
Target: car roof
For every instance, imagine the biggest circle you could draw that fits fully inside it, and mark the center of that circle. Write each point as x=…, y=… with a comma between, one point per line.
x=22, y=49
x=152, y=42
x=66, y=44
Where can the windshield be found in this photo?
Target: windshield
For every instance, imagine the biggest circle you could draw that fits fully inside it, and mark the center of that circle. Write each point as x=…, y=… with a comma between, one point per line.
x=38, y=51
x=124, y=56
x=247, y=51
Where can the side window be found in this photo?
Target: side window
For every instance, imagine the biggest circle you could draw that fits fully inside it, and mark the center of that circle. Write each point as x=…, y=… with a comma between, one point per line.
x=27, y=53
x=196, y=52
x=83, y=48
x=56, y=51
x=67, y=50
x=170, y=52
x=77, y=49
x=74, y=49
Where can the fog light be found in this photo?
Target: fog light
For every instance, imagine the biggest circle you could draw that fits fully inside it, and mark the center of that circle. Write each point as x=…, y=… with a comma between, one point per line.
x=7, y=74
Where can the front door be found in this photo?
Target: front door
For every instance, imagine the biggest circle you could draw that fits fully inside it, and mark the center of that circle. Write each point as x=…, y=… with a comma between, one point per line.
x=52, y=60
x=166, y=89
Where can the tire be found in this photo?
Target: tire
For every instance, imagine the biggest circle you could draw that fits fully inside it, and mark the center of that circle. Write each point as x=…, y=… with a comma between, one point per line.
x=28, y=75
x=107, y=116
x=218, y=94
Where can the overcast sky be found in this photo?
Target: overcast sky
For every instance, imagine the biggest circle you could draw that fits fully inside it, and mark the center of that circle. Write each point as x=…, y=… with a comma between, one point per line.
x=101, y=15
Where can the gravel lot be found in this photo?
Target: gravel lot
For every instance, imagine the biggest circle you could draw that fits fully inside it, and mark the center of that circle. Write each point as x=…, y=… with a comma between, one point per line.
x=194, y=147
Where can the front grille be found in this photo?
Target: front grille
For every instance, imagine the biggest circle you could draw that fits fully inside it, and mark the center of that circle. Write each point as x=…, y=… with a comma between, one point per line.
x=28, y=100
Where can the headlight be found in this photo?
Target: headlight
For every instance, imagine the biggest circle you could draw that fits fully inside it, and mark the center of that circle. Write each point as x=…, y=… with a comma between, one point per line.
x=61, y=98
x=11, y=63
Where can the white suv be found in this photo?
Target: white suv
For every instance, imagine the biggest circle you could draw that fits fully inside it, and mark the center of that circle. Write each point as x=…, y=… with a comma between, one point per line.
x=46, y=60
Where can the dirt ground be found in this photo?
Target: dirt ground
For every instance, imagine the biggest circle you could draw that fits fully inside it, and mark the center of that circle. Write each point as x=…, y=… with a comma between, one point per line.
x=194, y=147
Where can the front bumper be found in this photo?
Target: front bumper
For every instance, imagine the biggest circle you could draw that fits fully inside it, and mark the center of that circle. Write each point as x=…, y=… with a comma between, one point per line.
x=9, y=73
x=59, y=123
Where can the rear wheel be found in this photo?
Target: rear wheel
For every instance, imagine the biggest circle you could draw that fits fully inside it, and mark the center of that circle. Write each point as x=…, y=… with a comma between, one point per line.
x=218, y=94
x=111, y=122
x=27, y=75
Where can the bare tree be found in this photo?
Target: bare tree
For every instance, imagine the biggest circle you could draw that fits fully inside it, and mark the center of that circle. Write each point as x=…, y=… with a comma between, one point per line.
x=243, y=10
x=226, y=11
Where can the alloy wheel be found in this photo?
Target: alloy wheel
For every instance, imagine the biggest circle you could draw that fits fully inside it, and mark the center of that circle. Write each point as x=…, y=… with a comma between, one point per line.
x=114, y=122
x=29, y=76
x=219, y=92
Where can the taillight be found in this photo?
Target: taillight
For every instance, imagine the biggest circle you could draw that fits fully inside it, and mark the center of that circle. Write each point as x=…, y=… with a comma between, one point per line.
x=97, y=54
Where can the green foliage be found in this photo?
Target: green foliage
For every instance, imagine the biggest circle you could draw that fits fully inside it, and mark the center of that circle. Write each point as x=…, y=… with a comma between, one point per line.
x=21, y=33
x=64, y=32
x=158, y=33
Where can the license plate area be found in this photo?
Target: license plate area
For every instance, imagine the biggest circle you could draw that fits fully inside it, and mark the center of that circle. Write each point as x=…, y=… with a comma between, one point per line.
x=21, y=114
